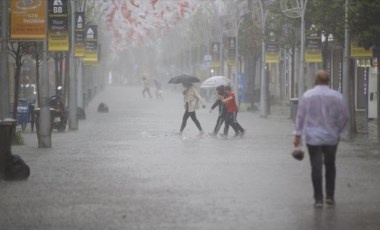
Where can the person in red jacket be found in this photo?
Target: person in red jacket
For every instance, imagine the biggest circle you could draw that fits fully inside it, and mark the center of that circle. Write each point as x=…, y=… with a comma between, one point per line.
x=232, y=110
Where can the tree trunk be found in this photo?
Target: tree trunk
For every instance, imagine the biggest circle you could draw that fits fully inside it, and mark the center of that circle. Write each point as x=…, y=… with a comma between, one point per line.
x=17, y=85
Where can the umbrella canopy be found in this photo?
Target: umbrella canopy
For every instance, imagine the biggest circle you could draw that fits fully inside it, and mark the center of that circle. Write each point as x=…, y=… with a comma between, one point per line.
x=184, y=78
x=213, y=82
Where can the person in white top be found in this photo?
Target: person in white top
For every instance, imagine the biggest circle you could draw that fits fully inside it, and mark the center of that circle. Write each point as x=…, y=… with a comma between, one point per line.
x=321, y=117
x=192, y=99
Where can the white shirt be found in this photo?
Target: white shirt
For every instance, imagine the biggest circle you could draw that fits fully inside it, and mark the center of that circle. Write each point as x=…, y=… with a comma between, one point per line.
x=321, y=117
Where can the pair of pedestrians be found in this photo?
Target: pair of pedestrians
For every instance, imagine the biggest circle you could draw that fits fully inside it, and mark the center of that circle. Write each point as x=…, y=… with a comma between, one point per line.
x=228, y=109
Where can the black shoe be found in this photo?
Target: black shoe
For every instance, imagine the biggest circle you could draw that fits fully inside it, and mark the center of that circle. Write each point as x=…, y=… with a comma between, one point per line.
x=237, y=134
x=242, y=133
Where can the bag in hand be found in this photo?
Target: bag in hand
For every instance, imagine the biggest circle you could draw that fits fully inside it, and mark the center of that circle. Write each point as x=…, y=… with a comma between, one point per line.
x=298, y=153
x=16, y=169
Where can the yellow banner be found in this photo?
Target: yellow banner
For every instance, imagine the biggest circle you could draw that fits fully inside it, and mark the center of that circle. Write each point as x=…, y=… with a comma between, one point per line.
x=313, y=56
x=28, y=19
x=272, y=58
x=360, y=52
x=91, y=57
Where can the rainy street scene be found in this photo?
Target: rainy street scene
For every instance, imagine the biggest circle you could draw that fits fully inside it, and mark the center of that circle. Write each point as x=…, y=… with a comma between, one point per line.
x=189, y=114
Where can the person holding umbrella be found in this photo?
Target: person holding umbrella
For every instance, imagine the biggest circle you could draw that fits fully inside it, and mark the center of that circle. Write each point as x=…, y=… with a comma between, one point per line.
x=222, y=110
x=191, y=100
x=232, y=110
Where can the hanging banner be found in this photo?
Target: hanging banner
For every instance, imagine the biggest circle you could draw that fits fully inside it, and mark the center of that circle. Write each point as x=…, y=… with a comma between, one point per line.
x=79, y=34
x=272, y=54
x=215, y=54
x=313, y=52
x=231, y=51
x=359, y=52
x=27, y=19
x=91, y=44
x=58, y=31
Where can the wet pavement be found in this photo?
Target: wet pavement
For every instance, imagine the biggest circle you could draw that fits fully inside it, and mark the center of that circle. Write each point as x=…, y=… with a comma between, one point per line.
x=127, y=169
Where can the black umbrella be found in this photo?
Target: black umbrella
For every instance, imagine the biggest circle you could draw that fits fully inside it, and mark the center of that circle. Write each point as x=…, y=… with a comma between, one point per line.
x=184, y=78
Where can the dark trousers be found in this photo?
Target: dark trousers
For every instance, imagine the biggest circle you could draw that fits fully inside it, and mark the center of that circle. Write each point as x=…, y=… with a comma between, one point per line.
x=219, y=123
x=231, y=121
x=319, y=155
x=186, y=116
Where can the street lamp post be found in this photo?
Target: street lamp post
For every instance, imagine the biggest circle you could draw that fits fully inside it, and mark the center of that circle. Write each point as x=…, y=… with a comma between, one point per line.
x=296, y=9
x=4, y=79
x=73, y=119
x=301, y=84
x=263, y=85
x=237, y=24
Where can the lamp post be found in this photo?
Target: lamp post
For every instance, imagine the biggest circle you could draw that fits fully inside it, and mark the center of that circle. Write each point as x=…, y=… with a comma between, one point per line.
x=296, y=9
x=4, y=78
x=301, y=84
x=263, y=85
x=73, y=119
x=237, y=24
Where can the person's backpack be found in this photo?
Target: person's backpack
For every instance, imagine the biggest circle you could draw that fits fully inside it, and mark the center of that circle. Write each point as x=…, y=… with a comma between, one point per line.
x=16, y=168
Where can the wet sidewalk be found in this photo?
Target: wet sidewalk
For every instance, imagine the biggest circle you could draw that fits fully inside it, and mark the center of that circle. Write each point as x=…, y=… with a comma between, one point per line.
x=127, y=169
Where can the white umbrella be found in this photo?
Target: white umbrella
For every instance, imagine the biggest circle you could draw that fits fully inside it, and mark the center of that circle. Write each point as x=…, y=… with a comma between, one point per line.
x=213, y=82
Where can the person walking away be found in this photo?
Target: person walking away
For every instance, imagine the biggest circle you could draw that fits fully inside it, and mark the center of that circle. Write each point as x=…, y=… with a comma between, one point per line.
x=232, y=110
x=146, y=87
x=321, y=117
x=191, y=100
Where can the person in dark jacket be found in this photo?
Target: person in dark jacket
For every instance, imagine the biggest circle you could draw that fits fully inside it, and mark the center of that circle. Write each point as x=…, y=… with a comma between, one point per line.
x=222, y=110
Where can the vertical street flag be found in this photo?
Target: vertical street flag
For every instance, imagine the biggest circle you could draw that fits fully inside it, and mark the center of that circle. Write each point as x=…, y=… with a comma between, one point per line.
x=313, y=52
x=231, y=50
x=27, y=19
x=58, y=31
x=272, y=54
x=215, y=53
x=91, y=44
x=79, y=34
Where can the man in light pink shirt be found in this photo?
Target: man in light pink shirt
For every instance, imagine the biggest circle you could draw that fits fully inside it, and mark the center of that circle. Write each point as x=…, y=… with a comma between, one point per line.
x=322, y=115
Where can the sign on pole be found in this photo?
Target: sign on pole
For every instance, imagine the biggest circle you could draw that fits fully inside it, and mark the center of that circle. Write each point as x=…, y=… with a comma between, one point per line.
x=58, y=31
x=91, y=44
x=215, y=53
x=313, y=52
x=27, y=19
x=272, y=53
x=79, y=34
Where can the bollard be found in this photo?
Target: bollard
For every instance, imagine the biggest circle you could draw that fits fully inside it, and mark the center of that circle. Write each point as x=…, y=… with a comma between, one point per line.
x=6, y=130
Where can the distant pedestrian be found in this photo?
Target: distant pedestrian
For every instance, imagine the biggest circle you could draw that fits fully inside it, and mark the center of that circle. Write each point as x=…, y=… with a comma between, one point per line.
x=158, y=89
x=322, y=115
x=146, y=87
x=192, y=99
x=232, y=110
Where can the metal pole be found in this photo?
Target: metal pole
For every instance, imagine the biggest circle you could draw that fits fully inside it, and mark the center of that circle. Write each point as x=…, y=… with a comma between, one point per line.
x=237, y=60
x=301, y=82
x=346, y=71
x=263, y=88
x=4, y=77
x=73, y=119
x=44, y=131
x=80, y=72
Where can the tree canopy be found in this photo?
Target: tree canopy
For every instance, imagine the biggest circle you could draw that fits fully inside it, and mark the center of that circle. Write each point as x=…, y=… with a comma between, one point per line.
x=364, y=21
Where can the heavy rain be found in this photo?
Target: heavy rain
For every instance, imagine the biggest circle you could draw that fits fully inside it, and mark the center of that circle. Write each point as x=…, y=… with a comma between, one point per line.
x=189, y=114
